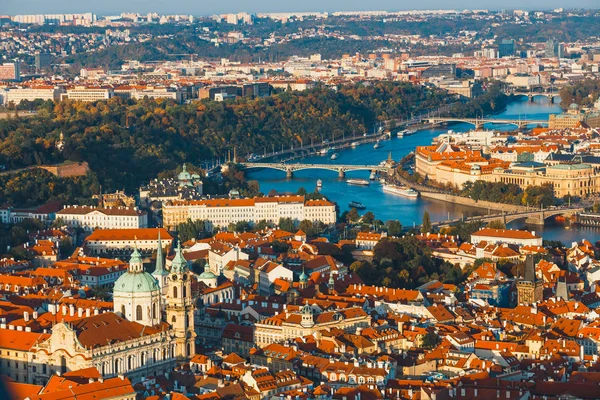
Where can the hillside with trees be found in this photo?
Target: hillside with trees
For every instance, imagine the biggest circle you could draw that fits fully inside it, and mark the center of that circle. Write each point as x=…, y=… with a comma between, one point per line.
x=161, y=135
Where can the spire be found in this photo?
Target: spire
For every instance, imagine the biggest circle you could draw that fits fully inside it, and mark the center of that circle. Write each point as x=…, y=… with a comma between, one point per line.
x=135, y=261
x=331, y=282
x=562, y=290
x=179, y=264
x=159, y=269
x=529, y=274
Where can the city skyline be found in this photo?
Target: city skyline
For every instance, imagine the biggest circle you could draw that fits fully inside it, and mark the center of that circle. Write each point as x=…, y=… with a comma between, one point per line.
x=186, y=7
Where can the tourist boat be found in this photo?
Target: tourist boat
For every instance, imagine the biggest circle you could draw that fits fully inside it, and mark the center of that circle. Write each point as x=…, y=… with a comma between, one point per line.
x=401, y=191
x=357, y=205
x=358, y=182
x=354, y=144
x=326, y=151
x=378, y=145
x=335, y=156
x=409, y=132
x=401, y=133
x=319, y=184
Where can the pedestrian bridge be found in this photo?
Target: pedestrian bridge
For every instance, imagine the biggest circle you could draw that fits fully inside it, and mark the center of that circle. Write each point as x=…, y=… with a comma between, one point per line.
x=478, y=122
x=341, y=169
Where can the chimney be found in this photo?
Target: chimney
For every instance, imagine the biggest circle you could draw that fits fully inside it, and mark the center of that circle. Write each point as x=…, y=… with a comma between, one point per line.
x=26, y=316
x=88, y=312
x=35, y=315
x=71, y=310
x=64, y=309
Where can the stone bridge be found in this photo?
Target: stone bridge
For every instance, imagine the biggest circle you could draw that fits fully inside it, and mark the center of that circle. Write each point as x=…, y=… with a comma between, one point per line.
x=289, y=169
x=535, y=217
x=478, y=122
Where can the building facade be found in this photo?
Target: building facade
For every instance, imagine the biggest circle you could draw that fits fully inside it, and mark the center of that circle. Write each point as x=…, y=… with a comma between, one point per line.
x=222, y=212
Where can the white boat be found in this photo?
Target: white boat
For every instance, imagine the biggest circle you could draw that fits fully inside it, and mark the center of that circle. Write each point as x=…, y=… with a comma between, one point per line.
x=401, y=191
x=359, y=182
x=354, y=144
x=409, y=132
x=326, y=151
x=335, y=156
x=401, y=133
x=378, y=145
x=319, y=183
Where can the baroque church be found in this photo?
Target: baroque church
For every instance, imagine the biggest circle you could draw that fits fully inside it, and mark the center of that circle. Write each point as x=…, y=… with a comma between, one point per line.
x=150, y=330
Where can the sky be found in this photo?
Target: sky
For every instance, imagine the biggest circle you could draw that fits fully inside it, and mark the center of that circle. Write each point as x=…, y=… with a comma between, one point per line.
x=208, y=7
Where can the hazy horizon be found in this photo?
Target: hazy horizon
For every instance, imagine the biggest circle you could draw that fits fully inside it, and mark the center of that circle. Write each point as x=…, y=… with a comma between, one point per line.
x=111, y=7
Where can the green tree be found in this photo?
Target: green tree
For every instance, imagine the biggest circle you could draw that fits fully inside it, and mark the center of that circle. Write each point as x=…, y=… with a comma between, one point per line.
x=286, y=224
x=301, y=192
x=394, y=227
x=431, y=340
x=368, y=218
x=426, y=226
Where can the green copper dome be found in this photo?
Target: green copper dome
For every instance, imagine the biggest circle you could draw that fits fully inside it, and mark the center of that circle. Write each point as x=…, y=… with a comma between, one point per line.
x=207, y=274
x=303, y=276
x=184, y=175
x=141, y=282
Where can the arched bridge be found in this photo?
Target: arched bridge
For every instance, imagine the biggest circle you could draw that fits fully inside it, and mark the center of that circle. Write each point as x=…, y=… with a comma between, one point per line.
x=550, y=96
x=478, y=122
x=535, y=217
x=289, y=169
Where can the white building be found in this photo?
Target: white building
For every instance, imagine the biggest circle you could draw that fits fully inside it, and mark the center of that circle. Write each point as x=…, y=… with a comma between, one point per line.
x=509, y=236
x=222, y=212
x=18, y=94
x=85, y=93
x=90, y=218
x=114, y=240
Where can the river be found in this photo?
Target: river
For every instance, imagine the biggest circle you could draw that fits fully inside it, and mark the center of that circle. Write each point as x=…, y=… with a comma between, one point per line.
x=409, y=212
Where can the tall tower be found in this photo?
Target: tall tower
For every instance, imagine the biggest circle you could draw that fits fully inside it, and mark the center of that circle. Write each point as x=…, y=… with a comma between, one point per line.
x=180, y=306
x=529, y=288
x=160, y=273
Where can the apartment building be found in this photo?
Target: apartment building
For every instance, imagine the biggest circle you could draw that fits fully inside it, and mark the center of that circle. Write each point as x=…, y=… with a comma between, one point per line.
x=18, y=94
x=89, y=94
x=222, y=212
x=90, y=218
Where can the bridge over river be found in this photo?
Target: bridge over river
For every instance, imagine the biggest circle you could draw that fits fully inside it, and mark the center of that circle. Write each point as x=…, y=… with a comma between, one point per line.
x=478, y=122
x=341, y=169
x=534, y=217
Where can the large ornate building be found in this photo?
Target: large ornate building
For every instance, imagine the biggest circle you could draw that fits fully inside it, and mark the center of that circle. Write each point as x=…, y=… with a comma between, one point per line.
x=140, y=338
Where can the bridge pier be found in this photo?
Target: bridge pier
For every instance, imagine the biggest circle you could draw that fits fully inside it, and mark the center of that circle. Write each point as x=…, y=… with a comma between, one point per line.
x=289, y=174
x=530, y=98
x=551, y=98
x=478, y=126
x=341, y=174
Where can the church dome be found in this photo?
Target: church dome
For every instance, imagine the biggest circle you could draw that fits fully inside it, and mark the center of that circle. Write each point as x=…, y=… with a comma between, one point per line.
x=140, y=282
x=184, y=175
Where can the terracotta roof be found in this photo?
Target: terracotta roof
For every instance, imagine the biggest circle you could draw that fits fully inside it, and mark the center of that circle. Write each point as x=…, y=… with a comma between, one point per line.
x=129, y=234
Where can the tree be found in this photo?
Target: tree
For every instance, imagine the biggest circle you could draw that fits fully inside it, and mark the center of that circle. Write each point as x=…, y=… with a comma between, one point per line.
x=496, y=224
x=286, y=224
x=301, y=192
x=394, y=227
x=426, y=226
x=308, y=227
x=261, y=225
x=431, y=340
x=280, y=247
x=352, y=215
x=368, y=218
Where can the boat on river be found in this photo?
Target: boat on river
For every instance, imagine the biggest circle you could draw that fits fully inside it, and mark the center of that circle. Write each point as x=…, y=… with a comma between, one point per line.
x=356, y=204
x=358, y=182
x=354, y=144
x=401, y=191
x=326, y=151
x=335, y=156
x=378, y=145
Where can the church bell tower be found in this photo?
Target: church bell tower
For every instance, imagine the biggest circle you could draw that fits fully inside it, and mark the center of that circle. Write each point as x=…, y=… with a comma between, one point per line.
x=180, y=306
